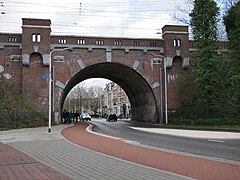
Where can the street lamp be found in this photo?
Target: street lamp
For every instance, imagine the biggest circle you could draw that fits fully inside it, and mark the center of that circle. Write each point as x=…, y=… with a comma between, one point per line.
x=165, y=83
x=50, y=86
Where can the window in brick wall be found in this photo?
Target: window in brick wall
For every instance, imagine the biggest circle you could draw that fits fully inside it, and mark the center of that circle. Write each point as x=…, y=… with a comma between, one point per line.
x=99, y=42
x=177, y=42
x=153, y=43
x=34, y=37
x=81, y=41
x=62, y=41
x=136, y=43
x=38, y=37
x=12, y=39
x=174, y=42
x=117, y=43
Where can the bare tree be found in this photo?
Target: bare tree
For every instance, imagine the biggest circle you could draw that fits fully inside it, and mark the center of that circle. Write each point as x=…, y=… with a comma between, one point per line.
x=83, y=98
x=182, y=13
x=80, y=93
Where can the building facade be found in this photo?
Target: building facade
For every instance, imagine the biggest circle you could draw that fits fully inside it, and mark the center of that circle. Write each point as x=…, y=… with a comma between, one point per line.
x=115, y=100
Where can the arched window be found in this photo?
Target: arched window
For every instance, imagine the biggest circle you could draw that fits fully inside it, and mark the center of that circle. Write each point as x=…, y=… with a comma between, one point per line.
x=174, y=42
x=62, y=41
x=117, y=43
x=38, y=38
x=34, y=37
x=99, y=42
x=12, y=39
x=179, y=42
x=81, y=41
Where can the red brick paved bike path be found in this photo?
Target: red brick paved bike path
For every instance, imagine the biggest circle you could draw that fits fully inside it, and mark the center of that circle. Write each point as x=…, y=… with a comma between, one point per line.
x=181, y=164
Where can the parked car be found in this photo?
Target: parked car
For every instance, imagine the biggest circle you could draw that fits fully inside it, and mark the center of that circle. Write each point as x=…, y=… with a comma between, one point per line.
x=112, y=117
x=85, y=116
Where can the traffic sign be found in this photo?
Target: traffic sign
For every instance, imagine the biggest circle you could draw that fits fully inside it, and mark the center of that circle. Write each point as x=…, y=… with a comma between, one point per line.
x=44, y=76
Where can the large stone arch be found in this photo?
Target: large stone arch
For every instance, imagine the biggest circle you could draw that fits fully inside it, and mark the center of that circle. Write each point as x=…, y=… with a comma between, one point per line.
x=143, y=103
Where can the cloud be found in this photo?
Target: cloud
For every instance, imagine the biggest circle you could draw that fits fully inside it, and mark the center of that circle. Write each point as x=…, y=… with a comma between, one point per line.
x=128, y=18
x=100, y=82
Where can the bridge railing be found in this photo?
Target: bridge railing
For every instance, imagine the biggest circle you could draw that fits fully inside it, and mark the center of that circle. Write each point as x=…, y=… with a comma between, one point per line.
x=13, y=119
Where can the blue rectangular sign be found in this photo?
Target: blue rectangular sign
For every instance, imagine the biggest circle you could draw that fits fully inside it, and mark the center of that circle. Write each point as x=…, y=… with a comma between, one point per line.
x=44, y=76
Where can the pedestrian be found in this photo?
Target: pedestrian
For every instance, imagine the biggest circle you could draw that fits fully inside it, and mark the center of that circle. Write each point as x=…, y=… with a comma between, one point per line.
x=65, y=114
x=76, y=115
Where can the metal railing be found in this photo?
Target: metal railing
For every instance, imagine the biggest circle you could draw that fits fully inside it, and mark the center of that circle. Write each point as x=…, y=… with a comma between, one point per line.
x=13, y=119
x=196, y=112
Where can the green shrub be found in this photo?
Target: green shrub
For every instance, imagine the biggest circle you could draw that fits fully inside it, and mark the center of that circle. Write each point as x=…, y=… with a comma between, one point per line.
x=217, y=122
x=15, y=110
x=206, y=122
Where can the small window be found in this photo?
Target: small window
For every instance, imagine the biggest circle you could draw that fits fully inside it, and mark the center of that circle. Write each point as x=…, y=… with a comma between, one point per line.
x=81, y=41
x=117, y=43
x=153, y=43
x=62, y=41
x=99, y=42
x=177, y=42
x=174, y=42
x=12, y=39
x=38, y=38
x=34, y=38
x=136, y=43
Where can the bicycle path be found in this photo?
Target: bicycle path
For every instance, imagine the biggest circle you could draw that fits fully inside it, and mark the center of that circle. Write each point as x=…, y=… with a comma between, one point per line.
x=189, y=166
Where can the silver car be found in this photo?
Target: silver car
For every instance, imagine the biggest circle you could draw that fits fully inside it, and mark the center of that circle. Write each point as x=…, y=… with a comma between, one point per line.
x=85, y=116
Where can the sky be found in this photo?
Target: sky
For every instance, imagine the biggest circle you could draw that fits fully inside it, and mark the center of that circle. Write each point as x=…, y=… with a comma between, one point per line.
x=119, y=18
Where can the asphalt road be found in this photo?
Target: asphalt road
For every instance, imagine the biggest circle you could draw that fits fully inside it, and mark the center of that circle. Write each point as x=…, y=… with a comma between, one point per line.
x=227, y=149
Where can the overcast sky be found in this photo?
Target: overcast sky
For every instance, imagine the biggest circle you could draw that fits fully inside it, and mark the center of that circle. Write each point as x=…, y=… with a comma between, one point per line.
x=119, y=18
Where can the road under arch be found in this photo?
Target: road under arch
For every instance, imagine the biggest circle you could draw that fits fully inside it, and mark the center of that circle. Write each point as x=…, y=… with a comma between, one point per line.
x=140, y=94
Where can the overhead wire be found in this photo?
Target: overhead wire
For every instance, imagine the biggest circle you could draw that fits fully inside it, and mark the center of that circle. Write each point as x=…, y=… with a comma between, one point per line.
x=128, y=15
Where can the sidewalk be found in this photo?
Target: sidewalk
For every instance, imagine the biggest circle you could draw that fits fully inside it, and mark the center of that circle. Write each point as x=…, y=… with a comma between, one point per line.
x=17, y=165
x=66, y=159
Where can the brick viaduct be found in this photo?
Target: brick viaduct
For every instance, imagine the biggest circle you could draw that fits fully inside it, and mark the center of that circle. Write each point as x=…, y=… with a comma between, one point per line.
x=24, y=61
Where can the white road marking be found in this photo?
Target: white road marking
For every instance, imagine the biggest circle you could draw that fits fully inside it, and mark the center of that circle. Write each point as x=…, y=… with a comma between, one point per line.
x=215, y=140
x=131, y=142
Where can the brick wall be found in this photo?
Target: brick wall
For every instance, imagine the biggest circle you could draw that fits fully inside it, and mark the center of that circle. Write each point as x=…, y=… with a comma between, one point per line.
x=90, y=50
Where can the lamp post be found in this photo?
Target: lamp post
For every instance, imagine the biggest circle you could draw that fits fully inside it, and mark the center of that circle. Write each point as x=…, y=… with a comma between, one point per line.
x=165, y=83
x=50, y=86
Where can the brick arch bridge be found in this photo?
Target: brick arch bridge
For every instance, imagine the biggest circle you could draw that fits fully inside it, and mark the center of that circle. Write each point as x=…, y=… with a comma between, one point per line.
x=141, y=96
x=134, y=64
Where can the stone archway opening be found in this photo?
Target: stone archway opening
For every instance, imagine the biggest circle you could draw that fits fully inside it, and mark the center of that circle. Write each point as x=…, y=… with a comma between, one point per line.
x=139, y=92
